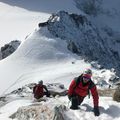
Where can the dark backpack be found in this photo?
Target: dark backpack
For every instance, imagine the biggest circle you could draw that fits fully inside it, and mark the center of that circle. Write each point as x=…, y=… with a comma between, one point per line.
x=38, y=91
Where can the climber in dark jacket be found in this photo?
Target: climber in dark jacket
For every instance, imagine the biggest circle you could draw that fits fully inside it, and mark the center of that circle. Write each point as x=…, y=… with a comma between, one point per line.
x=79, y=89
x=39, y=90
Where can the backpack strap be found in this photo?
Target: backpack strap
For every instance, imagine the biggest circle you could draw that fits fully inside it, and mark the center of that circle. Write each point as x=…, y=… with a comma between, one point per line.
x=89, y=91
x=91, y=85
x=77, y=80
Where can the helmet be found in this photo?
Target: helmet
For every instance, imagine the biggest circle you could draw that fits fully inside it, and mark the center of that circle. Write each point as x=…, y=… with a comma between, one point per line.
x=88, y=71
x=40, y=82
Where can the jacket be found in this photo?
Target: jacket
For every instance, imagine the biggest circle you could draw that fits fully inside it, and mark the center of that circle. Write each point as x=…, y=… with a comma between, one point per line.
x=38, y=91
x=82, y=89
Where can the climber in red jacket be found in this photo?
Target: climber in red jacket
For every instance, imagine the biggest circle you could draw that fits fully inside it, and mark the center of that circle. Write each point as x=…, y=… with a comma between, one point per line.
x=79, y=89
x=39, y=90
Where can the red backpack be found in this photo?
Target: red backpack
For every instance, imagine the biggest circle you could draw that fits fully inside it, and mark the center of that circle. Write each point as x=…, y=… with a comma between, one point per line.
x=38, y=91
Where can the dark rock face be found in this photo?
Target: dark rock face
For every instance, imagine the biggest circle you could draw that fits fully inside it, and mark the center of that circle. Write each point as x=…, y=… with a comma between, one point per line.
x=79, y=31
x=116, y=95
x=90, y=7
x=9, y=48
x=84, y=39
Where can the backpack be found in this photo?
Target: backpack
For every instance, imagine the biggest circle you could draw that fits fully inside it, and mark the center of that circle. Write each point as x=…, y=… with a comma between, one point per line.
x=38, y=91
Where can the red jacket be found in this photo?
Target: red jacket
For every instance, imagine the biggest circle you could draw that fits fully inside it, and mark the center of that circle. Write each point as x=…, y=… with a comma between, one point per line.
x=82, y=90
x=38, y=91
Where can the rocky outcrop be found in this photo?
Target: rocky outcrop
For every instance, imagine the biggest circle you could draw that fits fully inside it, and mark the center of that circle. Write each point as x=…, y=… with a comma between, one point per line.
x=78, y=30
x=116, y=95
x=9, y=48
x=40, y=112
x=57, y=89
x=84, y=39
x=26, y=92
x=54, y=89
x=35, y=112
x=46, y=108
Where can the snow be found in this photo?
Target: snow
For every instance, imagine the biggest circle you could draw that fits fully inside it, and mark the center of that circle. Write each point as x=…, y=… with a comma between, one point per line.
x=19, y=18
x=41, y=56
x=11, y=108
x=17, y=22
x=53, y=62
x=109, y=110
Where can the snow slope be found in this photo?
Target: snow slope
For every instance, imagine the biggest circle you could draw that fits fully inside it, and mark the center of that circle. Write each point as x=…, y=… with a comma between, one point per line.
x=17, y=23
x=109, y=110
x=19, y=18
x=41, y=56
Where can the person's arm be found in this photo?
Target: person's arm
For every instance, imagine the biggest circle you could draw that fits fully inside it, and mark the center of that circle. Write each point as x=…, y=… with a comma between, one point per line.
x=71, y=87
x=47, y=92
x=34, y=89
x=95, y=96
x=45, y=88
x=95, y=100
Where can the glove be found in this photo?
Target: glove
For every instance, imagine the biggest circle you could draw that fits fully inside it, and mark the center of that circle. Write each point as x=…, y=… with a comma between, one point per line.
x=96, y=111
x=48, y=94
x=69, y=97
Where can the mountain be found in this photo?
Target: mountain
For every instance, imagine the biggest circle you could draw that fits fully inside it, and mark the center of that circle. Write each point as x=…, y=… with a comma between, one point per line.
x=105, y=15
x=35, y=58
x=65, y=41
x=19, y=18
x=86, y=38
x=47, y=47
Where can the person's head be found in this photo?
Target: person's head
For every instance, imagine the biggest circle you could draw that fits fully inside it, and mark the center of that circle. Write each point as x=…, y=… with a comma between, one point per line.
x=87, y=74
x=40, y=82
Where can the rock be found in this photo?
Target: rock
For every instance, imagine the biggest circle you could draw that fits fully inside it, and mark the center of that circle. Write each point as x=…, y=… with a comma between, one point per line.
x=40, y=112
x=57, y=89
x=43, y=24
x=84, y=39
x=72, y=47
x=9, y=48
x=116, y=95
x=35, y=112
x=59, y=112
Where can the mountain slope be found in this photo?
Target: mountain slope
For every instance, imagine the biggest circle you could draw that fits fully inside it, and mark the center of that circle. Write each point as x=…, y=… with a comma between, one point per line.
x=40, y=56
x=19, y=18
x=87, y=39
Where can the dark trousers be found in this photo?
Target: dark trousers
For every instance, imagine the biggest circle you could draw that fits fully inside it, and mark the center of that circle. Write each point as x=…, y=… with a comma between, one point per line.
x=45, y=93
x=75, y=101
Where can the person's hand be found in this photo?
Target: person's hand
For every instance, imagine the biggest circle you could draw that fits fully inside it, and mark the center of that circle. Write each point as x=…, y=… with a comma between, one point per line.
x=96, y=111
x=69, y=97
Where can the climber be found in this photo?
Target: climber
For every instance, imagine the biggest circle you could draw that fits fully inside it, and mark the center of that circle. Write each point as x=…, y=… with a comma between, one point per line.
x=79, y=89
